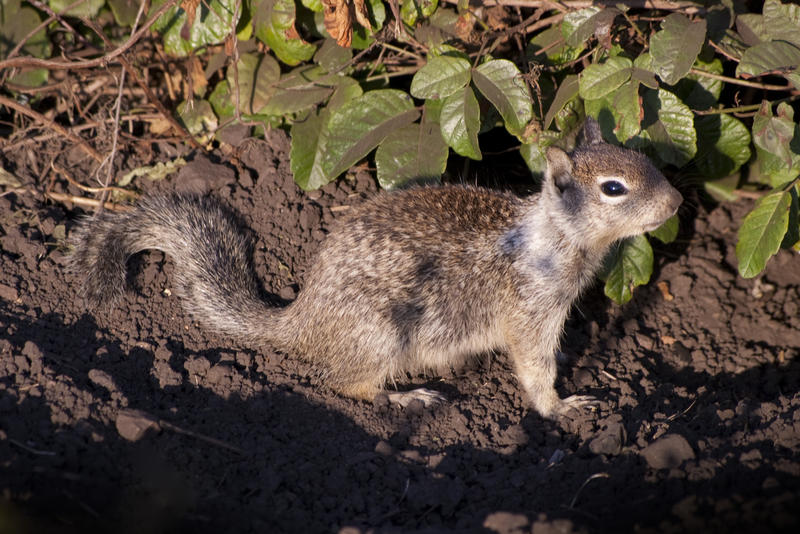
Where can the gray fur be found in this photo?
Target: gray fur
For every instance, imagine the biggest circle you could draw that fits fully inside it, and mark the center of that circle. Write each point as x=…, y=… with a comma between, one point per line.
x=409, y=281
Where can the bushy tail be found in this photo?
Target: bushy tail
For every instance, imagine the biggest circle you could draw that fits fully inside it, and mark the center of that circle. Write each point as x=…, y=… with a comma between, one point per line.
x=215, y=278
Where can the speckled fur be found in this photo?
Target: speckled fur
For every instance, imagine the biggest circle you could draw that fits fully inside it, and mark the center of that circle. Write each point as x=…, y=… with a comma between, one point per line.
x=409, y=281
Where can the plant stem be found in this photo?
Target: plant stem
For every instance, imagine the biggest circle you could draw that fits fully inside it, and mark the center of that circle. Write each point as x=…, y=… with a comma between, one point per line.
x=405, y=71
x=50, y=123
x=401, y=50
x=745, y=83
x=742, y=109
x=636, y=29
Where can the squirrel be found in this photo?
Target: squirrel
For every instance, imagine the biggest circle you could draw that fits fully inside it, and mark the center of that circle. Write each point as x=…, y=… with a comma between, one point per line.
x=413, y=280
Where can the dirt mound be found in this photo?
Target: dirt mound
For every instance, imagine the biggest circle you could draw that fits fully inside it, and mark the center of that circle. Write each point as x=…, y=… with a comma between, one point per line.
x=134, y=419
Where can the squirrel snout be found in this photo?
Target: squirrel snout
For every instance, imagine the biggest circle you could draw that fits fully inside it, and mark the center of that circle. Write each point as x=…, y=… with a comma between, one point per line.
x=675, y=201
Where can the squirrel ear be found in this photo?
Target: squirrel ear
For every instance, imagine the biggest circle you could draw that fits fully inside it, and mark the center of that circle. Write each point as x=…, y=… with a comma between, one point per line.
x=559, y=168
x=591, y=132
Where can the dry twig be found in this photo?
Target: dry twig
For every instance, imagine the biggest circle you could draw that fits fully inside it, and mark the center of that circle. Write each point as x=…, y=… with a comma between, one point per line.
x=19, y=108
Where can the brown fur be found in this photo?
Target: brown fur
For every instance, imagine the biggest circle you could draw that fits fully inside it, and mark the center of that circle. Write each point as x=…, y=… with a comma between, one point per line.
x=411, y=280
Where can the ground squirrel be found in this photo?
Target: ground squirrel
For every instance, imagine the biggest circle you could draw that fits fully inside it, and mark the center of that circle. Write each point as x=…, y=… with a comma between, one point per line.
x=411, y=280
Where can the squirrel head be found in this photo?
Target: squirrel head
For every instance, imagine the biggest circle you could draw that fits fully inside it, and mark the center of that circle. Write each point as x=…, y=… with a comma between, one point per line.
x=606, y=192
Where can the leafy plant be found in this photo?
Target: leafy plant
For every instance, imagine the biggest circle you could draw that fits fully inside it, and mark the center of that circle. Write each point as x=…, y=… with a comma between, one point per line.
x=418, y=82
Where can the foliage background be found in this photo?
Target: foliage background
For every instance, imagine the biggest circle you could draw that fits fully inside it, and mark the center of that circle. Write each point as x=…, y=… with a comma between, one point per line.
x=421, y=88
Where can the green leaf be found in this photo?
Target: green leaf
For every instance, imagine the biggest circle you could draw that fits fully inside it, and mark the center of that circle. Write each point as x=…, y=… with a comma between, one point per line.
x=732, y=45
x=619, y=113
x=577, y=27
x=299, y=90
x=676, y=46
x=310, y=138
x=440, y=28
x=567, y=120
x=792, y=238
x=567, y=91
x=440, y=77
x=535, y=158
x=556, y=51
x=587, y=26
x=314, y=5
x=331, y=56
x=460, y=120
x=88, y=9
x=212, y=24
x=273, y=22
x=761, y=233
x=502, y=84
x=361, y=37
x=768, y=169
x=413, y=10
x=258, y=75
x=631, y=265
x=669, y=124
x=198, y=117
x=793, y=77
x=723, y=145
x=752, y=28
x=221, y=100
x=534, y=153
x=777, y=140
x=28, y=77
x=644, y=62
x=701, y=92
x=768, y=57
x=599, y=79
x=347, y=89
x=719, y=18
x=775, y=134
x=667, y=232
x=359, y=126
x=416, y=151
x=124, y=11
x=628, y=111
x=645, y=77
x=16, y=23
x=723, y=190
x=782, y=21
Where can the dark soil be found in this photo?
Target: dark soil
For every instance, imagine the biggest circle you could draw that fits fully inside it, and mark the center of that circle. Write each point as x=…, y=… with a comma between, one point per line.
x=135, y=420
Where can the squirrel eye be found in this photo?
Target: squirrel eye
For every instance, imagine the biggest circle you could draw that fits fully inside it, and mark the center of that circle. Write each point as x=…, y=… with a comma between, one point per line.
x=613, y=188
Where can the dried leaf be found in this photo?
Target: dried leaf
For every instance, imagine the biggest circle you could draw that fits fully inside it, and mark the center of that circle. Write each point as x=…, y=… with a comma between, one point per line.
x=663, y=286
x=8, y=179
x=362, y=16
x=339, y=17
x=339, y=21
x=198, y=76
x=190, y=6
x=230, y=43
x=159, y=126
